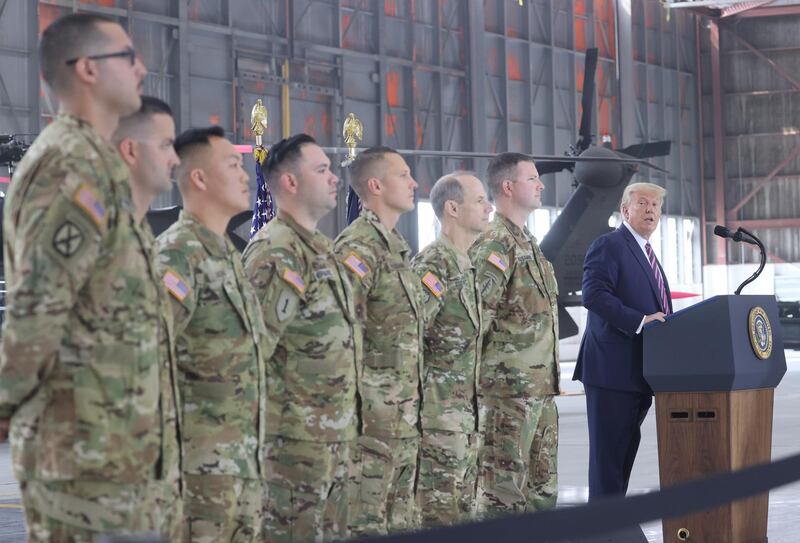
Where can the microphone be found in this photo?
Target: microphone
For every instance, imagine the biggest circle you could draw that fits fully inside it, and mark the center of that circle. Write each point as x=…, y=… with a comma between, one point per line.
x=738, y=235
x=748, y=237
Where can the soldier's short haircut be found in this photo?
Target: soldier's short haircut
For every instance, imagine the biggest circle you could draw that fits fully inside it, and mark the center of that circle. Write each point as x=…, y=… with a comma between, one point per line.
x=284, y=155
x=71, y=36
x=370, y=163
x=190, y=140
x=136, y=124
x=502, y=167
x=447, y=187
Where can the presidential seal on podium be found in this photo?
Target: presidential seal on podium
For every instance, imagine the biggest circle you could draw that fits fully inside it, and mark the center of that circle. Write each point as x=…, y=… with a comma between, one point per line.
x=760, y=332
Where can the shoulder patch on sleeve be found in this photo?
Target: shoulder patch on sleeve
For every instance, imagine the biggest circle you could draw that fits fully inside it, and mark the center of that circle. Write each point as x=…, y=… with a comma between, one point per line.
x=356, y=265
x=433, y=283
x=89, y=201
x=67, y=239
x=287, y=303
x=497, y=261
x=176, y=285
x=294, y=279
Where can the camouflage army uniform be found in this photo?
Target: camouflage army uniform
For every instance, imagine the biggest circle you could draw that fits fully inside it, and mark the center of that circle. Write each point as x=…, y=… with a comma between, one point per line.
x=449, y=448
x=389, y=298
x=218, y=328
x=86, y=375
x=313, y=350
x=519, y=372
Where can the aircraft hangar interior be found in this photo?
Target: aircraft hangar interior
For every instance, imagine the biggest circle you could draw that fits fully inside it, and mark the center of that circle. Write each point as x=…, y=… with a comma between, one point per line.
x=692, y=99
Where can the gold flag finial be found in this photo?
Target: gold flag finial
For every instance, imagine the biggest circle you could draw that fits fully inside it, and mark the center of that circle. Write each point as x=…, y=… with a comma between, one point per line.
x=353, y=133
x=258, y=124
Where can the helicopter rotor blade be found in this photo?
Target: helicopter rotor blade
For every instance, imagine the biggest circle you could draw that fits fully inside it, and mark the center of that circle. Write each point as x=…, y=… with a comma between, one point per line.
x=647, y=150
x=587, y=100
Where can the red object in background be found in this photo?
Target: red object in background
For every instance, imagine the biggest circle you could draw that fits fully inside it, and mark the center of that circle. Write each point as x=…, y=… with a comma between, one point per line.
x=5, y=180
x=677, y=295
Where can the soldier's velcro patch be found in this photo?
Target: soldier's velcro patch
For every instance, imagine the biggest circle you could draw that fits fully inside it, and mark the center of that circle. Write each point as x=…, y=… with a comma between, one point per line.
x=89, y=201
x=287, y=302
x=433, y=284
x=294, y=279
x=356, y=265
x=67, y=239
x=497, y=261
x=176, y=285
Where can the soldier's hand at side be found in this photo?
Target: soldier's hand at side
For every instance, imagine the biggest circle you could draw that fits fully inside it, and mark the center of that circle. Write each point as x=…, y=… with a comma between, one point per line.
x=659, y=316
x=4, y=425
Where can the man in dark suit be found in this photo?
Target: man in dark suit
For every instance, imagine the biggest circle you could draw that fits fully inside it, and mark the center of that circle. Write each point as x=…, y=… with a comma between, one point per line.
x=624, y=288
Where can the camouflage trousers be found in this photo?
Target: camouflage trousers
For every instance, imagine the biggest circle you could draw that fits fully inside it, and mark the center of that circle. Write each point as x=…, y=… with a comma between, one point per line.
x=383, y=482
x=81, y=511
x=448, y=470
x=517, y=461
x=305, y=490
x=222, y=508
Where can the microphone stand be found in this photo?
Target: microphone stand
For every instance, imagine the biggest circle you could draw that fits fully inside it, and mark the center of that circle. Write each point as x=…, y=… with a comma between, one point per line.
x=757, y=241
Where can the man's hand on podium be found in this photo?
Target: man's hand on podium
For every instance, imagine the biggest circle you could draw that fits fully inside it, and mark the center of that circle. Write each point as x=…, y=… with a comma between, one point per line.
x=659, y=316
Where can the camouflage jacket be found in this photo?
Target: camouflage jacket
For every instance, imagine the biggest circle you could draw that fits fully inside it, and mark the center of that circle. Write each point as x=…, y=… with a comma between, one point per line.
x=218, y=329
x=452, y=338
x=313, y=341
x=389, y=297
x=83, y=374
x=519, y=291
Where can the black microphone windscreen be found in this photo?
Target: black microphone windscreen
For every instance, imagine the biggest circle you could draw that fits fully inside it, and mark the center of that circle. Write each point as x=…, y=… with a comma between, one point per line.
x=722, y=231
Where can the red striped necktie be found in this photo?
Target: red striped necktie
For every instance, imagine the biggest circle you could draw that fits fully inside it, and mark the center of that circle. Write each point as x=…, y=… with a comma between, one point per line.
x=659, y=278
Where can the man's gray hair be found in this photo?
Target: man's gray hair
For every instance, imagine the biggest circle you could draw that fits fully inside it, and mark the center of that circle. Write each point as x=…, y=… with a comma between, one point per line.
x=447, y=187
x=651, y=188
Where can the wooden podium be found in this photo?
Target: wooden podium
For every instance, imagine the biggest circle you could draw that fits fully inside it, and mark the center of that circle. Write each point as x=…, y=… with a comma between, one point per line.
x=713, y=368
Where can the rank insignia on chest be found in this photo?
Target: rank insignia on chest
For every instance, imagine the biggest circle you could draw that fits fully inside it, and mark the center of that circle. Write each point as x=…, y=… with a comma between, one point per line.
x=356, y=265
x=433, y=284
x=323, y=274
x=497, y=261
x=176, y=285
x=88, y=200
x=294, y=279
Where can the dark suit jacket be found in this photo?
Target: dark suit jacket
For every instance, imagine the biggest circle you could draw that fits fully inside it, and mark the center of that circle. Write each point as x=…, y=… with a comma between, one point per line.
x=618, y=290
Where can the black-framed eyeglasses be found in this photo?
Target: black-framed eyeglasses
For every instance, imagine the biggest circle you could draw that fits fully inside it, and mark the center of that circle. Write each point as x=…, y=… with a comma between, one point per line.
x=129, y=52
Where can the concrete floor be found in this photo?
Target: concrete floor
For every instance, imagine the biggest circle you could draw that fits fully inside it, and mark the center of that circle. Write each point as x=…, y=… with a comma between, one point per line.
x=784, y=522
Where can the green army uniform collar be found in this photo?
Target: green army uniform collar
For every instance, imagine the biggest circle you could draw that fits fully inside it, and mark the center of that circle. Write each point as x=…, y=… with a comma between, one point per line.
x=523, y=236
x=218, y=246
x=73, y=121
x=394, y=241
x=461, y=259
x=316, y=240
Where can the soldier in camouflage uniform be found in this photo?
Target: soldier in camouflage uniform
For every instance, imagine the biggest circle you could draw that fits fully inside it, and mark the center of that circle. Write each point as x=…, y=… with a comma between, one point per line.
x=85, y=377
x=389, y=298
x=219, y=328
x=519, y=368
x=449, y=448
x=312, y=349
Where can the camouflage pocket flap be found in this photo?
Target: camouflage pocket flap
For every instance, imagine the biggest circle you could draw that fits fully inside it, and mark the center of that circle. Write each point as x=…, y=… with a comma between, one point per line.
x=213, y=391
x=391, y=359
x=310, y=365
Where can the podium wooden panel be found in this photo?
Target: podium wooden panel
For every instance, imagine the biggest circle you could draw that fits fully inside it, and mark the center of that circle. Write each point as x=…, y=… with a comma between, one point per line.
x=714, y=398
x=700, y=433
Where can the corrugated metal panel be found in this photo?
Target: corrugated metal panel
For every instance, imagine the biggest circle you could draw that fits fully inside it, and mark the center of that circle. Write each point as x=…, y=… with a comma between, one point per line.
x=403, y=67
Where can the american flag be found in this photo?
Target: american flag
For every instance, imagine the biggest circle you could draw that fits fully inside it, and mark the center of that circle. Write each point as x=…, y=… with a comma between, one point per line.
x=353, y=206
x=264, y=208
